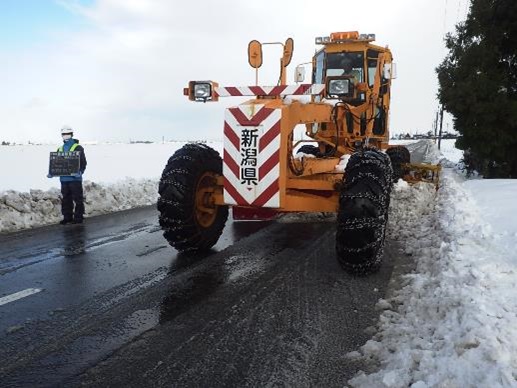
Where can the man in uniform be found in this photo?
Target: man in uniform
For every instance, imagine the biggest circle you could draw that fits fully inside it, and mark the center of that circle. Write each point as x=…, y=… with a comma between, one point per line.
x=72, y=186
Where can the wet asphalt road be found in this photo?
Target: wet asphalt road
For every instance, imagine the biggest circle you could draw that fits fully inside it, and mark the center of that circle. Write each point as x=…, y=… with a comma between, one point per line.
x=269, y=306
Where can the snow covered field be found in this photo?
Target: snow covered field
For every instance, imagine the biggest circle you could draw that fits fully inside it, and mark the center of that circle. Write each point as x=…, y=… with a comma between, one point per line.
x=26, y=167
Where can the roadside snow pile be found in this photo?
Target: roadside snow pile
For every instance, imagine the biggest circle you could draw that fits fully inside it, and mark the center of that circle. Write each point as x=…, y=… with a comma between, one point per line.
x=454, y=322
x=37, y=207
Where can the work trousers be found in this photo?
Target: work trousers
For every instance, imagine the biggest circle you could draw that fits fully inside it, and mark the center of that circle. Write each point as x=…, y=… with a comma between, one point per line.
x=72, y=193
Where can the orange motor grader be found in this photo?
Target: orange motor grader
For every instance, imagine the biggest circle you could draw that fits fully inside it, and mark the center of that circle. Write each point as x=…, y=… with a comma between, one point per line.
x=348, y=169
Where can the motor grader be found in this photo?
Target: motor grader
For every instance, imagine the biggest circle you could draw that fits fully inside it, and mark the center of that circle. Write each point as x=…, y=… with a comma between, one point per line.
x=344, y=112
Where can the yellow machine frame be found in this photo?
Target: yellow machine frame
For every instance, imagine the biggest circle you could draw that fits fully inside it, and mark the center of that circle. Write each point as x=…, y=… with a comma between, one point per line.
x=312, y=184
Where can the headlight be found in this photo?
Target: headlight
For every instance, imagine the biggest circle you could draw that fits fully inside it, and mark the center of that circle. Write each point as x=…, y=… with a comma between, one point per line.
x=339, y=87
x=202, y=91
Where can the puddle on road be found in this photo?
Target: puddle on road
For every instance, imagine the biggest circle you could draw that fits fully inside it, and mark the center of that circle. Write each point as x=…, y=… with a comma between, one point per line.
x=204, y=283
x=181, y=297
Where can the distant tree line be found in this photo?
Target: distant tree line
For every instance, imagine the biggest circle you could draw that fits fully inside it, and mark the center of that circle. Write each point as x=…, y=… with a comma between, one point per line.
x=478, y=86
x=428, y=135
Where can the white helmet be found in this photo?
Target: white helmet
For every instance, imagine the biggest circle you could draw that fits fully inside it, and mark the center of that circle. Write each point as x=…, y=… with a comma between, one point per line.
x=67, y=130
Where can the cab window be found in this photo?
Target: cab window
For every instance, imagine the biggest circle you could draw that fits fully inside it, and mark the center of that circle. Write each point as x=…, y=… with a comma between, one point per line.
x=373, y=57
x=318, y=70
x=348, y=64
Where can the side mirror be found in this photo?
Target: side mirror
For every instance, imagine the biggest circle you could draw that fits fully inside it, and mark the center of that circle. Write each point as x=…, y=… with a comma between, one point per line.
x=255, y=54
x=390, y=70
x=288, y=52
x=299, y=73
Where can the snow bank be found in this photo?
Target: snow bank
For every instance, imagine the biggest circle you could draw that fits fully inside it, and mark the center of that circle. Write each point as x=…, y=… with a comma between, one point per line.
x=496, y=200
x=453, y=323
x=38, y=207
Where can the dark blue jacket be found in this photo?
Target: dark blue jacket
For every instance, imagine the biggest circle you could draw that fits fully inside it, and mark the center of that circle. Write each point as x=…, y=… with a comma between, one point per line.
x=66, y=148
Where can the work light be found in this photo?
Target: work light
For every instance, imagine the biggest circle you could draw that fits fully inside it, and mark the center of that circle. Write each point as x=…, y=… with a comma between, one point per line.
x=339, y=86
x=202, y=91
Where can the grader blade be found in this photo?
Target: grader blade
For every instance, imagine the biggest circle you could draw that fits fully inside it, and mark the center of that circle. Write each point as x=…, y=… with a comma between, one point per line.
x=422, y=172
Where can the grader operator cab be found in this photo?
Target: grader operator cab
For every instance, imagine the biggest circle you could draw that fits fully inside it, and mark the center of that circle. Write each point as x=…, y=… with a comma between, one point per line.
x=348, y=169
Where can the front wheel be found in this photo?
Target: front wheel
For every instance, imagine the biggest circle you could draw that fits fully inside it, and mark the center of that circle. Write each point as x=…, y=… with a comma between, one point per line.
x=363, y=211
x=188, y=217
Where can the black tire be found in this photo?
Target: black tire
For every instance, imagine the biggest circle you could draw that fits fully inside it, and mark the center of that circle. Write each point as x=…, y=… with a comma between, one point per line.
x=398, y=155
x=185, y=225
x=310, y=150
x=363, y=211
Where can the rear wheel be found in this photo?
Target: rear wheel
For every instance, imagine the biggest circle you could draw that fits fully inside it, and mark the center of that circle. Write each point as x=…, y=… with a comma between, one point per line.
x=309, y=150
x=363, y=211
x=398, y=156
x=314, y=150
x=189, y=218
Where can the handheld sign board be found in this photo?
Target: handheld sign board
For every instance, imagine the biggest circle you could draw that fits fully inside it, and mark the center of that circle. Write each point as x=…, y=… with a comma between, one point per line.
x=64, y=163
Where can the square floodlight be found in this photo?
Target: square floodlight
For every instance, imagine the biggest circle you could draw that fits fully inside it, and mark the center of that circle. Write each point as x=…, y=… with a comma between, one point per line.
x=339, y=87
x=202, y=91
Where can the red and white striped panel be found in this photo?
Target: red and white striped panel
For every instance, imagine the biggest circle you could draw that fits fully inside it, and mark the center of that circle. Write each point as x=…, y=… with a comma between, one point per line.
x=282, y=90
x=251, y=159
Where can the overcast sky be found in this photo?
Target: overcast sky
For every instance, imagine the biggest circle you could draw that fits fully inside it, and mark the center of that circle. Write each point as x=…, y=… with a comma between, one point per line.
x=114, y=69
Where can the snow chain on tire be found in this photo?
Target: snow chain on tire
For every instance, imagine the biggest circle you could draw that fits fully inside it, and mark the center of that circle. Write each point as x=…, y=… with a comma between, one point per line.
x=177, y=201
x=363, y=211
x=398, y=155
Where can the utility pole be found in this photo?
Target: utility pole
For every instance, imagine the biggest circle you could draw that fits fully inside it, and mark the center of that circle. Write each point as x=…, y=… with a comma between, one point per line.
x=435, y=126
x=441, y=125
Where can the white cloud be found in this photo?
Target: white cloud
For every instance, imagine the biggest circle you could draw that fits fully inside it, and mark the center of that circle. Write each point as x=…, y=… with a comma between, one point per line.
x=123, y=75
